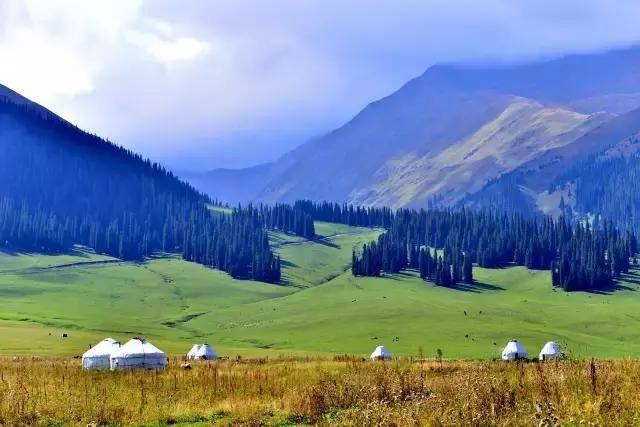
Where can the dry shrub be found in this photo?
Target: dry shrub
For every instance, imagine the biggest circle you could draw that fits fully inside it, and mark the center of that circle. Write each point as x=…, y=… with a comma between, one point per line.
x=341, y=391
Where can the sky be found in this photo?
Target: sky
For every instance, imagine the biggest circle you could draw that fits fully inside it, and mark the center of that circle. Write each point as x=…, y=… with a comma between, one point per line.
x=230, y=83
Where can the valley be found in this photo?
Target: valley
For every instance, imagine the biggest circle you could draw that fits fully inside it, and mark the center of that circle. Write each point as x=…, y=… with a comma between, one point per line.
x=175, y=303
x=319, y=213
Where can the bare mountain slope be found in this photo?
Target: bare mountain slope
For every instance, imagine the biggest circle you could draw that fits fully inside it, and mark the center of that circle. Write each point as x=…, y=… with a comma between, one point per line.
x=523, y=131
x=332, y=167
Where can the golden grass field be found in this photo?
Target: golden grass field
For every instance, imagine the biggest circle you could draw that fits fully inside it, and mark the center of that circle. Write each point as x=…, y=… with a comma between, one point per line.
x=339, y=391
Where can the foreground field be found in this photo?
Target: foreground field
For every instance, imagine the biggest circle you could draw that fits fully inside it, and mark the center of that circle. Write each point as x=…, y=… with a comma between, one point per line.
x=320, y=309
x=314, y=391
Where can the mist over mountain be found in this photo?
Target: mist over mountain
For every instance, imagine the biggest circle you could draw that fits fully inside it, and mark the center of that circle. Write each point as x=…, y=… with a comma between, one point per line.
x=447, y=133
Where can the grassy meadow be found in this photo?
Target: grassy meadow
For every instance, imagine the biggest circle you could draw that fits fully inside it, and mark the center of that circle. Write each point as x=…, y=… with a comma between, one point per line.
x=319, y=310
x=344, y=391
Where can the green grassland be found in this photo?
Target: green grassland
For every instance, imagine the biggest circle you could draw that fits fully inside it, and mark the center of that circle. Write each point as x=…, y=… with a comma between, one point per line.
x=319, y=309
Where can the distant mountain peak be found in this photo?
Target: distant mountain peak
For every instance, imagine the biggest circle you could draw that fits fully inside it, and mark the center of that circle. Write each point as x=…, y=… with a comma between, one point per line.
x=427, y=138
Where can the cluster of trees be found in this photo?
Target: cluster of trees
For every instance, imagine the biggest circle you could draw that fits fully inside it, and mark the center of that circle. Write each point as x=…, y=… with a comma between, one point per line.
x=355, y=216
x=287, y=218
x=451, y=268
x=581, y=257
x=60, y=186
x=590, y=259
x=389, y=255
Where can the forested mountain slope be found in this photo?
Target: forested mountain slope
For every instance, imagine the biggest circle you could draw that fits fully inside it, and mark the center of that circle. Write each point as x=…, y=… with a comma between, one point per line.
x=60, y=186
x=604, y=186
x=542, y=183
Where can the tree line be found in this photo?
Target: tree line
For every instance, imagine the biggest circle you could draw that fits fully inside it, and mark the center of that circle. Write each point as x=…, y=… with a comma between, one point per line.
x=579, y=256
x=286, y=218
x=60, y=186
x=355, y=216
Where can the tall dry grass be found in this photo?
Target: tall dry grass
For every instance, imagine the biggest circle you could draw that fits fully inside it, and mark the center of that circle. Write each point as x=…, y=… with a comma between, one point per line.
x=345, y=392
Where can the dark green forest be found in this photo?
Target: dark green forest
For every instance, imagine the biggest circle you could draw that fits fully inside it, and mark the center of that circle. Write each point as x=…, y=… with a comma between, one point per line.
x=60, y=186
x=580, y=257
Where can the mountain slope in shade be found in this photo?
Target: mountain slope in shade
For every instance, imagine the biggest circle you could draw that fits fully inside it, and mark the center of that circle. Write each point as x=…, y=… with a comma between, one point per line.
x=60, y=187
x=396, y=148
x=8, y=94
x=14, y=96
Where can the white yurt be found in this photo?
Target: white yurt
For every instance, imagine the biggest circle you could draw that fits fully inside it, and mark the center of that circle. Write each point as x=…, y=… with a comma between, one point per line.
x=550, y=351
x=202, y=352
x=97, y=357
x=380, y=353
x=191, y=355
x=513, y=351
x=138, y=353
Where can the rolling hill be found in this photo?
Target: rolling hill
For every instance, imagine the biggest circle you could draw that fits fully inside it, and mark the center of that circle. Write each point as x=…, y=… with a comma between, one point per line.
x=451, y=131
x=323, y=311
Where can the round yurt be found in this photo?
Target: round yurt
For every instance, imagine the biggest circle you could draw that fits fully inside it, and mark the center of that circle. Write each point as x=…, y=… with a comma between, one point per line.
x=191, y=355
x=202, y=352
x=138, y=353
x=380, y=353
x=514, y=351
x=98, y=356
x=550, y=351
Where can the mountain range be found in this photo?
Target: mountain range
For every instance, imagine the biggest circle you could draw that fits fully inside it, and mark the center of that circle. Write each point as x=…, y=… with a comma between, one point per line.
x=458, y=134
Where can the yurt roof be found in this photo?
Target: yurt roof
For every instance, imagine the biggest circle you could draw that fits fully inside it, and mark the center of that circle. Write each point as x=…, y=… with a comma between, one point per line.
x=104, y=347
x=136, y=346
x=200, y=350
x=551, y=348
x=206, y=349
x=381, y=351
x=514, y=346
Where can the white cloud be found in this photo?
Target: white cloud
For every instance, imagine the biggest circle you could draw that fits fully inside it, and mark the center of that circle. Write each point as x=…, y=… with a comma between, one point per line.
x=167, y=77
x=167, y=49
x=55, y=49
x=41, y=68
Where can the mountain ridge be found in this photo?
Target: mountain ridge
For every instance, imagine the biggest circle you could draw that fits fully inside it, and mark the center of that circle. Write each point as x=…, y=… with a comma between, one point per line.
x=387, y=154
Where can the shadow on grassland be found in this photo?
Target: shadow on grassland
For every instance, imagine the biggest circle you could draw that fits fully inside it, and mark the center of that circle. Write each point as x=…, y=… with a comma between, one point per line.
x=325, y=241
x=286, y=263
x=476, y=287
x=609, y=290
x=626, y=282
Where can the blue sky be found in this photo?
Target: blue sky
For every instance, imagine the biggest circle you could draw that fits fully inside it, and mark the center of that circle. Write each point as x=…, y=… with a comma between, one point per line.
x=204, y=84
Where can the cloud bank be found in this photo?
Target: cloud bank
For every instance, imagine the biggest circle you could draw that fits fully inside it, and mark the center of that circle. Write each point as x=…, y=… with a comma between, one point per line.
x=229, y=83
